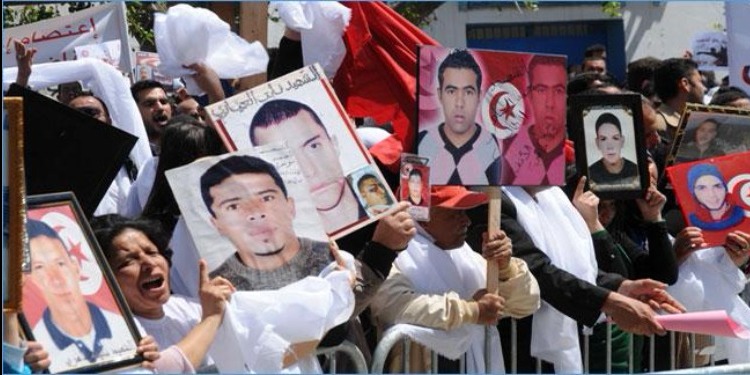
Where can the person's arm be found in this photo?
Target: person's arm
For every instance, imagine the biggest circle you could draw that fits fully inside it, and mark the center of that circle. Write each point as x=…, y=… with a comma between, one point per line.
x=515, y=283
x=208, y=81
x=13, y=347
x=392, y=234
x=24, y=59
x=520, y=290
x=398, y=302
x=576, y=298
x=737, y=245
x=659, y=262
x=213, y=295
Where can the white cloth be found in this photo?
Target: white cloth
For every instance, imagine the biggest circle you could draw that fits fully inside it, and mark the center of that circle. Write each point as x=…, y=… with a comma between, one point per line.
x=140, y=189
x=559, y=231
x=302, y=311
x=106, y=82
x=321, y=25
x=116, y=195
x=433, y=270
x=187, y=35
x=709, y=280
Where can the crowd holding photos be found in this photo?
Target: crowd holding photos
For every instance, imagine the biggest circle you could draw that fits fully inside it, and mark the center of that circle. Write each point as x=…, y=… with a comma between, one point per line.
x=169, y=209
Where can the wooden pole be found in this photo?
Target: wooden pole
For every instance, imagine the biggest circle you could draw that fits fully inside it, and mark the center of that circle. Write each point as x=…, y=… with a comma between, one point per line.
x=16, y=206
x=254, y=26
x=493, y=225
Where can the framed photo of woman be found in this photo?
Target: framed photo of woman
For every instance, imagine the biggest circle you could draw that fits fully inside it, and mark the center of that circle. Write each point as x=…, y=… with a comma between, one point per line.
x=72, y=304
x=610, y=150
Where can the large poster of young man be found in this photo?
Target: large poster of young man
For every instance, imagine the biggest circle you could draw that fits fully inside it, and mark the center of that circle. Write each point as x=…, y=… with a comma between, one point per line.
x=301, y=110
x=491, y=118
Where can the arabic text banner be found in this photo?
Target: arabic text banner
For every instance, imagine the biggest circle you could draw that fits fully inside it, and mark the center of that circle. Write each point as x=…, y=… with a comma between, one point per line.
x=55, y=39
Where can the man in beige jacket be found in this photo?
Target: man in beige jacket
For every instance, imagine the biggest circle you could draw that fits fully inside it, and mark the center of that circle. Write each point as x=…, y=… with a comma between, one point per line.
x=436, y=292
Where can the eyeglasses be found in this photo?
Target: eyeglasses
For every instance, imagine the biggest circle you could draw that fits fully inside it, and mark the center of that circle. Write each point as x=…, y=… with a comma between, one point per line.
x=91, y=111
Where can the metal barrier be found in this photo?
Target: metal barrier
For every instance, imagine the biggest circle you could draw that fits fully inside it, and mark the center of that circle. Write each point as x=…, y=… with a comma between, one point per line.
x=724, y=369
x=391, y=338
x=346, y=347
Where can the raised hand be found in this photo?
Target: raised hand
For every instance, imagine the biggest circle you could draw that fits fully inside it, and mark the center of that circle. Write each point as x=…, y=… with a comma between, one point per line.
x=587, y=204
x=24, y=59
x=737, y=245
x=652, y=204
x=687, y=241
x=395, y=230
x=213, y=292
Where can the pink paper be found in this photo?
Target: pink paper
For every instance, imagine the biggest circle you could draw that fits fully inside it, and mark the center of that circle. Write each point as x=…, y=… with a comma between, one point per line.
x=715, y=322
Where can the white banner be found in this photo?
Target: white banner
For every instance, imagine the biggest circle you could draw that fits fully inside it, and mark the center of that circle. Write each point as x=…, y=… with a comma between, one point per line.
x=738, y=13
x=55, y=39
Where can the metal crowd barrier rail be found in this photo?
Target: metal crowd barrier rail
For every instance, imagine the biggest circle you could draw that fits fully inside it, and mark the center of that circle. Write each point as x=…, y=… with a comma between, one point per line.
x=391, y=338
x=347, y=348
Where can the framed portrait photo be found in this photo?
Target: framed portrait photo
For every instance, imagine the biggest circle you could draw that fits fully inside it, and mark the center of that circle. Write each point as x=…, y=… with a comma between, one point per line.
x=610, y=151
x=710, y=131
x=484, y=120
x=302, y=110
x=72, y=304
x=714, y=194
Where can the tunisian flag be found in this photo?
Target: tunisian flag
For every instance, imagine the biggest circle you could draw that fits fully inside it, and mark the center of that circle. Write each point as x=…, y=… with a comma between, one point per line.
x=378, y=75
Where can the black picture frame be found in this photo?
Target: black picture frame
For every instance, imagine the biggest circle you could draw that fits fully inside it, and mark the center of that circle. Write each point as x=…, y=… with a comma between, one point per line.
x=585, y=111
x=105, y=301
x=732, y=133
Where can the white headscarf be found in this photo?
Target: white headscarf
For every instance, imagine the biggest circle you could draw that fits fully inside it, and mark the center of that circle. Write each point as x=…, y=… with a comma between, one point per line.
x=560, y=232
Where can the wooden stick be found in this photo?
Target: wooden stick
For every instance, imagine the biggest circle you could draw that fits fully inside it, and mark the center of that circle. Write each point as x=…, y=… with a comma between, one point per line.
x=16, y=203
x=493, y=225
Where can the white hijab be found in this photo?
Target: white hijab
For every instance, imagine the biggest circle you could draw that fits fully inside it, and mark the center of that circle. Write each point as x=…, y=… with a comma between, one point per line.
x=560, y=232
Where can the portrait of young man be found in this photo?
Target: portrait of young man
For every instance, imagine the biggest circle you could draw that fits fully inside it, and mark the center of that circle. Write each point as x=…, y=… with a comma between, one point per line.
x=461, y=151
x=249, y=205
x=317, y=153
x=373, y=193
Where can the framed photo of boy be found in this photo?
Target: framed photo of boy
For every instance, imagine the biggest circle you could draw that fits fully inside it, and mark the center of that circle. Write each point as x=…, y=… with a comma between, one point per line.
x=714, y=194
x=302, y=110
x=610, y=151
x=710, y=131
x=72, y=304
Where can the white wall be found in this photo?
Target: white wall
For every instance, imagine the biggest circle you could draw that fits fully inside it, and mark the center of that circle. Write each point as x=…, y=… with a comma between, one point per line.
x=662, y=30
